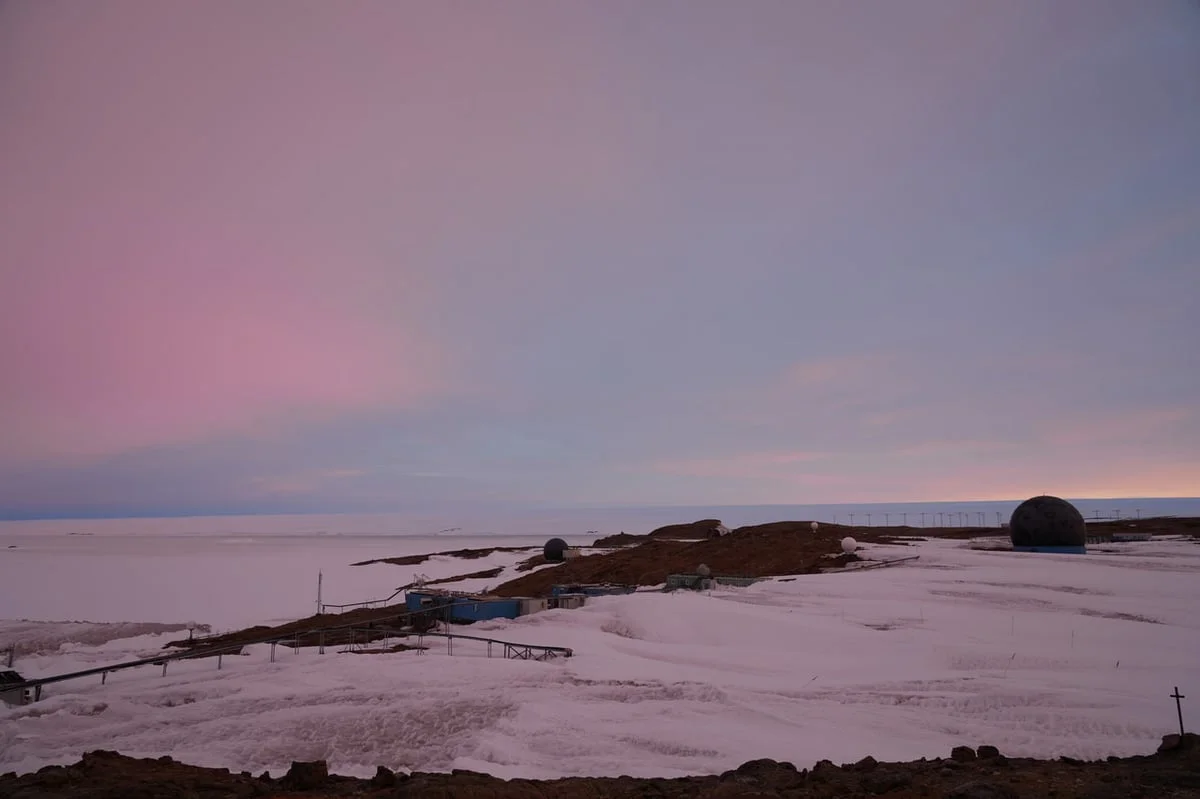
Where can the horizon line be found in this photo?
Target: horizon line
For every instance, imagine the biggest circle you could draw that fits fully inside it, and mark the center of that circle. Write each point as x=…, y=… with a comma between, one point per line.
x=532, y=508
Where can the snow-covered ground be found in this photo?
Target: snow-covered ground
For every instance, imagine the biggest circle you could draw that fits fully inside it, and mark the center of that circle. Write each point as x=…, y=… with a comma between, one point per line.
x=228, y=582
x=1037, y=654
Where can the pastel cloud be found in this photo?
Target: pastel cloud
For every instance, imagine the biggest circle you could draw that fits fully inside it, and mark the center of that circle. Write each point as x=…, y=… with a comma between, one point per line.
x=150, y=364
x=226, y=259
x=740, y=465
x=308, y=255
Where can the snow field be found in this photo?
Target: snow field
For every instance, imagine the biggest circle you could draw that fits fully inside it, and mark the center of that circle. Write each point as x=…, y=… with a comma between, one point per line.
x=1037, y=654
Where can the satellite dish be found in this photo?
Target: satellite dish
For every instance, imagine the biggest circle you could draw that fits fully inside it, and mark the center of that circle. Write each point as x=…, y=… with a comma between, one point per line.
x=814, y=526
x=849, y=545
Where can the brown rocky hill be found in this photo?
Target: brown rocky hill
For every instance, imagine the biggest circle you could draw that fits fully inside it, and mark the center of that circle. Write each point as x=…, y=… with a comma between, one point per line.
x=758, y=551
x=705, y=528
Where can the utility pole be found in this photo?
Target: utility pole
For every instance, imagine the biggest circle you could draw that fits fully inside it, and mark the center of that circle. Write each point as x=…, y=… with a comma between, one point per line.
x=319, y=579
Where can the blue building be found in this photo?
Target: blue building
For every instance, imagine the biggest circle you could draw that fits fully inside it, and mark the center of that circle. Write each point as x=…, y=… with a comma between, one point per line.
x=462, y=607
x=481, y=610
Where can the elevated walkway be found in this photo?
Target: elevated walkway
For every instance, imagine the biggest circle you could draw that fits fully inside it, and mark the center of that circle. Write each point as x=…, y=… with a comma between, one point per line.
x=368, y=632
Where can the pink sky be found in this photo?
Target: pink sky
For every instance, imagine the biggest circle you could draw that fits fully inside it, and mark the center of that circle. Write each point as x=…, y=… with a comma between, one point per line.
x=602, y=252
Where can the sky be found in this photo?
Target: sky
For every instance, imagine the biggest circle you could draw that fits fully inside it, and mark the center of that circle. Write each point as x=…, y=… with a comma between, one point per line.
x=306, y=256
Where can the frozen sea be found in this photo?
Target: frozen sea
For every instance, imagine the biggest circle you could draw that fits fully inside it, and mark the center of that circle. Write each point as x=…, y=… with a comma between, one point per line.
x=1037, y=654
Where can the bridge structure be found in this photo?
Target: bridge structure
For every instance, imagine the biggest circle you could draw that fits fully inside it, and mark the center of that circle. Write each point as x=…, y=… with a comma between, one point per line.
x=32, y=688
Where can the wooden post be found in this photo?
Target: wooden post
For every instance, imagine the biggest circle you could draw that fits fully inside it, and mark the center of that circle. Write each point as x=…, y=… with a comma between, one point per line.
x=164, y=668
x=219, y=656
x=103, y=677
x=272, y=651
x=321, y=642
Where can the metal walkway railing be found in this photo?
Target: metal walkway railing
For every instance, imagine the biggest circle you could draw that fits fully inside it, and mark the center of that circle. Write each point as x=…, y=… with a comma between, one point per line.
x=327, y=607
x=509, y=650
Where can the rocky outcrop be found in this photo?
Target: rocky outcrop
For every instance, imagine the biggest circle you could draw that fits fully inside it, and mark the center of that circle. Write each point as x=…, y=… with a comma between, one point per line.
x=705, y=528
x=761, y=551
x=1172, y=773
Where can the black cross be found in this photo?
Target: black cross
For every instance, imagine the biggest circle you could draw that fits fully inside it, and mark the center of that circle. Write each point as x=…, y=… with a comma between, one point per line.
x=1179, y=708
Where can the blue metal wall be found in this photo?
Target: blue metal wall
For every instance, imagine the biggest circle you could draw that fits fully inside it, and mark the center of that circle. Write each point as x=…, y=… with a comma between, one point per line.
x=464, y=608
x=1058, y=550
x=468, y=610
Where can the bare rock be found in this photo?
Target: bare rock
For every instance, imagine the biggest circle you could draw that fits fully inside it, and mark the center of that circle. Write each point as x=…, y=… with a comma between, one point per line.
x=705, y=528
x=1170, y=742
x=53, y=776
x=384, y=777
x=981, y=790
x=986, y=752
x=881, y=782
x=1107, y=792
x=306, y=775
x=962, y=754
x=763, y=773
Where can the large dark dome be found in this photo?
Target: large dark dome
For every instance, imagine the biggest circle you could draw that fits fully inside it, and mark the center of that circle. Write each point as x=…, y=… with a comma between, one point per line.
x=555, y=550
x=1047, y=522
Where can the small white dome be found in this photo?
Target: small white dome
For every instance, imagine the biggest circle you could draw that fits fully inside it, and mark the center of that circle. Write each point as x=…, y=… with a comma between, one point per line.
x=849, y=544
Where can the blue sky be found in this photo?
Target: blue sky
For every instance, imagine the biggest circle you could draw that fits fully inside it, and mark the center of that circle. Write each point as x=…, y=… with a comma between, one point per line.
x=315, y=257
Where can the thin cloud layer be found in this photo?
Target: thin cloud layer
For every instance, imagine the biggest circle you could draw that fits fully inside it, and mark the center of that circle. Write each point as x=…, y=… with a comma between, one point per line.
x=303, y=256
